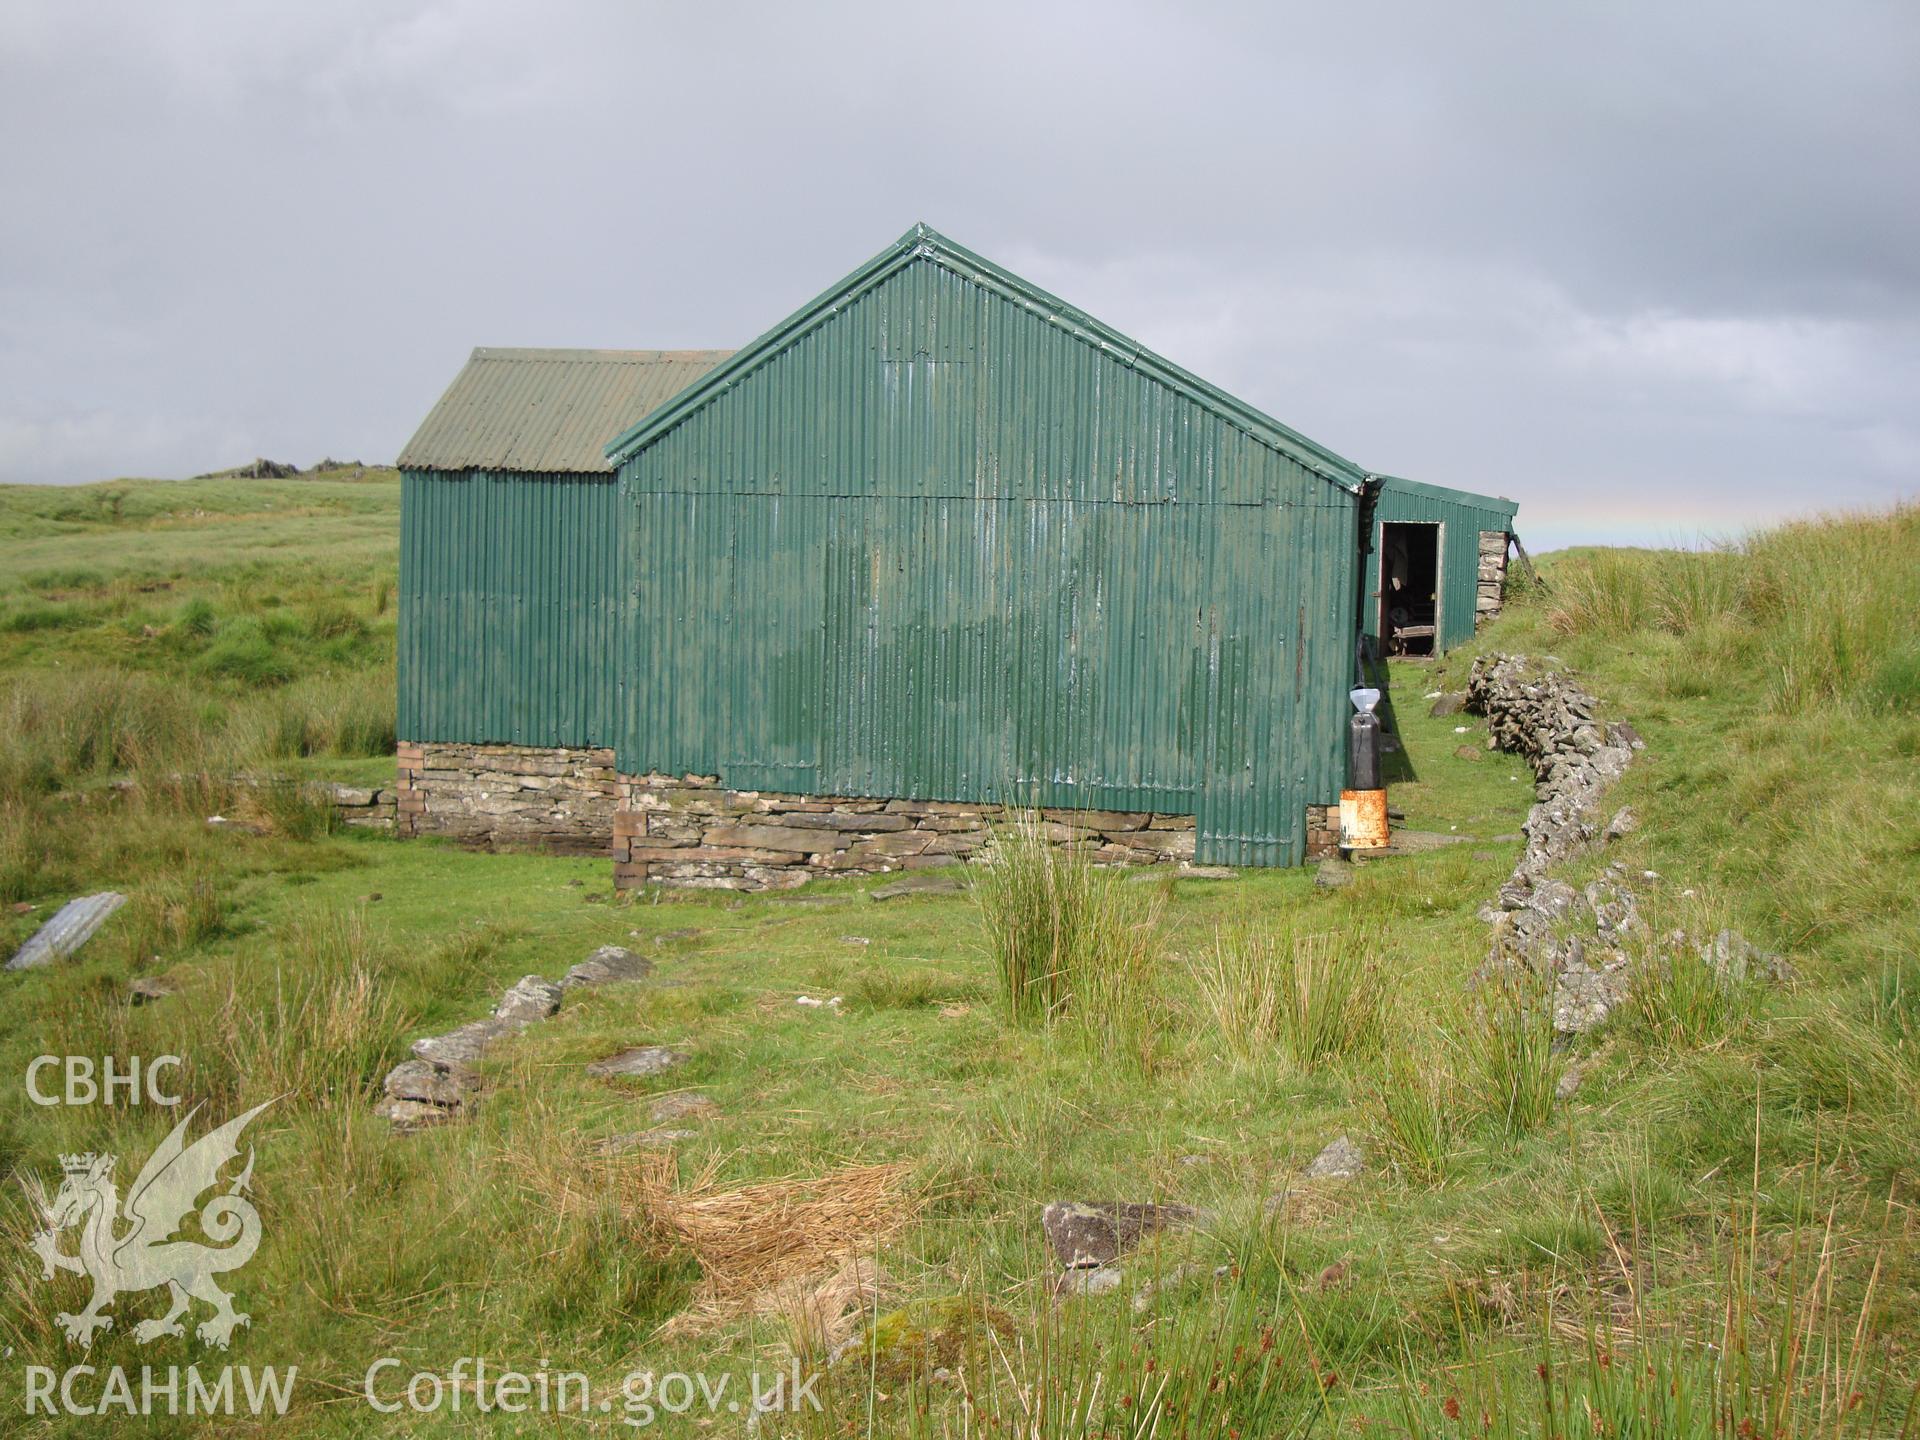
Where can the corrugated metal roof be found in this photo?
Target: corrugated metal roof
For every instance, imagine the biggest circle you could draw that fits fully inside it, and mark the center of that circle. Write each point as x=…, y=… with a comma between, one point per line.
x=923, y=242
x=1499, y=504
x=70, y=928
x=548, y=411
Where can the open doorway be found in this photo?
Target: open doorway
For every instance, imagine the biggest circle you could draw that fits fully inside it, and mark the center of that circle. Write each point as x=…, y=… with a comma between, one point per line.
x=1409, y=587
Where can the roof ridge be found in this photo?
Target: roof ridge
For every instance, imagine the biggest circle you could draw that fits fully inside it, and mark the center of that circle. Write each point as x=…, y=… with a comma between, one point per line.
x=920, y=241
x=600, y=356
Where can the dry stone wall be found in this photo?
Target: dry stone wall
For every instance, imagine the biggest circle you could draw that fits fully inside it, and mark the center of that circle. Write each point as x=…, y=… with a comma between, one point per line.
x=509, y=795
x=1589, y=940
x=692, y=831
x=1490, y=586
x=369, y=807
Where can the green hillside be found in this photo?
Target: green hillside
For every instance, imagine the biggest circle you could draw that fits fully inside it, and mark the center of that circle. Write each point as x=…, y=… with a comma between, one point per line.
x=1712, y=1230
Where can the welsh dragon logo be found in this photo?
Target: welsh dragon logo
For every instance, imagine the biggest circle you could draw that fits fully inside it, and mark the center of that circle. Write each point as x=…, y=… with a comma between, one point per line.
x=144, y=1255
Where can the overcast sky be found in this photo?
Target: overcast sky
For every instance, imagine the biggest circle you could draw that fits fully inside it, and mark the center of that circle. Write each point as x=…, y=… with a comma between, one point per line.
x=1653, y=270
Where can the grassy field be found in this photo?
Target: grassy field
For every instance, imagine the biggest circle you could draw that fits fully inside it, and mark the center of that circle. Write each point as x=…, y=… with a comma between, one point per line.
x=1715, y=1227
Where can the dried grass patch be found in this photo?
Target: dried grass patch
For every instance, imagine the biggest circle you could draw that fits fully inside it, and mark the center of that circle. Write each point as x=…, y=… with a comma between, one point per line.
x=799, y=1246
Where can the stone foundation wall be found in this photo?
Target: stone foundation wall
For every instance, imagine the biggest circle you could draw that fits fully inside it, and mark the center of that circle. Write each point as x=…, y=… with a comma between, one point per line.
x=692, y=831
x=1323, y=832
x=1492, y=584
x=368, y=807
x=509, y=795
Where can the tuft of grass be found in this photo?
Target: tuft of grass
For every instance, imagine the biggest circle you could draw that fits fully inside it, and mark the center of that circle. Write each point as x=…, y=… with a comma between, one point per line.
x=198, y=618
x=293, y=808
x=1788, y=1343
x=1824, y=606
x=317, y=1024
x=1070, y=939
x=175, y=914
x=1314, y=996
x=37, y=616
x=1677, y=999
x=1508, y=1050
x=243, y=650
x=1414, y=1115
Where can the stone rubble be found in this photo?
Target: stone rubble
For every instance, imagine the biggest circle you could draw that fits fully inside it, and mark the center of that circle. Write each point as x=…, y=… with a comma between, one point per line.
x=638, y=1061
x=1091, y=1236
x=440, y=1083
x=1539, y=713
x=1341, y=1159
x=691, y=831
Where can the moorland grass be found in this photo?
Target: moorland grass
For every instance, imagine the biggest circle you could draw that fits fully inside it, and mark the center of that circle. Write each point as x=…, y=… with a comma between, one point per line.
x=1486, y=1240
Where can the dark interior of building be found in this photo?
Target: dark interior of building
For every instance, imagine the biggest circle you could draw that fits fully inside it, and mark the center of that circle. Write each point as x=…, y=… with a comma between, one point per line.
x=1409, y=585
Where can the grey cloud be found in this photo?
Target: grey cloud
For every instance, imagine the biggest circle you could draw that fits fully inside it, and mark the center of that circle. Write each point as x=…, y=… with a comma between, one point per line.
x=1660, y=253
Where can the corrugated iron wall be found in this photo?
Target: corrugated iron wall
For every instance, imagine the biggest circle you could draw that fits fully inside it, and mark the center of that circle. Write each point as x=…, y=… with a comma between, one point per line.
x=1461, y=523
x=510, y=608
x=942, y=547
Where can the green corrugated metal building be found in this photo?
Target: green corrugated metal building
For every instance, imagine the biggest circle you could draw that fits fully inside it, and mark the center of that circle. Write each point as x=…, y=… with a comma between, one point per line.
x=512, y=567
x=937, y=535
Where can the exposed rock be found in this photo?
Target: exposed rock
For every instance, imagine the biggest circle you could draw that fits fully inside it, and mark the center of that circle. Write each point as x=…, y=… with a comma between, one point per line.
x=679, y=1106
x=1165, y=1284
x=1623, y=824
x=146, y=989
x=919, y=882
x=1616, y=914
x=462, y=1046
x=1340, y=1160
x=1084, y=1281
x=1333, y=874
x=1621, y=733
x=1474, y=753
x=1569, y=1084
x=429, y=1082
x=531, y=999
x=410, y=1115
x=1451, y=703
x=1736, y=959
x=1541, y=715
x=1584, y=994
x=641, y=1060
x=1083, y=1235
x=259, y=469
x=609, y=965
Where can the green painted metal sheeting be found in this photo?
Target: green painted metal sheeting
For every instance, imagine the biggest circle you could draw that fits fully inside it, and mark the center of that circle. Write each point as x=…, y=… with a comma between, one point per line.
x=941, y=537
x=510, y=608
x=1461, y=516
x=937, y=535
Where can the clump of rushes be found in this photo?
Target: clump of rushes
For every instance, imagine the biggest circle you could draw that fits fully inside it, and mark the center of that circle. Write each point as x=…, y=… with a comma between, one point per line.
x=1413, y=1115
x=1313, y=995
x=1680, y=1000
x=1508, y=1048
x=1069, y=939
x=1789, y=1346
x=296, y=810
x=173, y=915
x=318, y=1024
